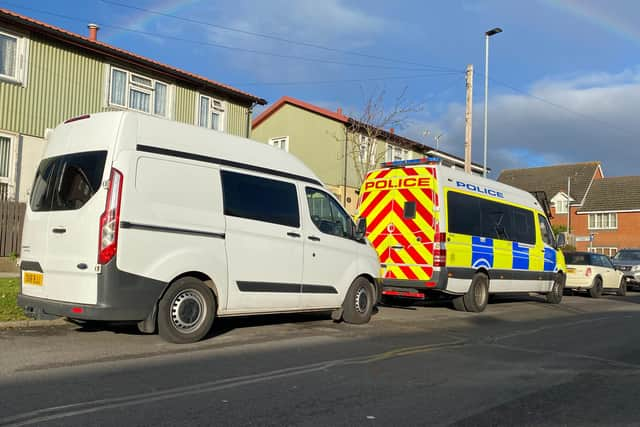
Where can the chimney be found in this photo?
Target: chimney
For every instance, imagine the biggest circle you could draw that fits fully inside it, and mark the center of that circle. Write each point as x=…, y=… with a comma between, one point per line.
x=340, y=110
x=93, y=32
x=392, y=130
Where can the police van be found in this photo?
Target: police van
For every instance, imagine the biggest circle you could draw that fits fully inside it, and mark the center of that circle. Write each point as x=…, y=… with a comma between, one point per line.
x=136, y=218
x=437, y=229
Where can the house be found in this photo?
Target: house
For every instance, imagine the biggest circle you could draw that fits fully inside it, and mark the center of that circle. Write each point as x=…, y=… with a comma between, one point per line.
x=48, y=74
x=334, y=145
x=603, y=214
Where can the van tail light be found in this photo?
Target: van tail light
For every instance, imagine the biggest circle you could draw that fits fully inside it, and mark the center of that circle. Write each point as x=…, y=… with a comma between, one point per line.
x=440, y=250
x=110, y=219
x=588, y=272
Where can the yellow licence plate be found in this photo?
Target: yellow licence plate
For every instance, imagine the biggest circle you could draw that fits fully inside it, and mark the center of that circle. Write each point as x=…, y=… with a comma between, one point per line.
x=571, y=270
x=29, y=278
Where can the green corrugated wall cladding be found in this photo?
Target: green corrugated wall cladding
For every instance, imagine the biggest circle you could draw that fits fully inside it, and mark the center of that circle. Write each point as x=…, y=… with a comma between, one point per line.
x=60, y=84
x=63, y=83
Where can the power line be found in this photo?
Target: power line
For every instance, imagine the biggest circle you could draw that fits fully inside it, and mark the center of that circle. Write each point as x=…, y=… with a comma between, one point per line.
x=276, y=38
x=227, y=47
x=365, y=79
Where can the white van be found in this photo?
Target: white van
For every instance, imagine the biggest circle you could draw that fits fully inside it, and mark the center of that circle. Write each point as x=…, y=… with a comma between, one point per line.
x=135, y=218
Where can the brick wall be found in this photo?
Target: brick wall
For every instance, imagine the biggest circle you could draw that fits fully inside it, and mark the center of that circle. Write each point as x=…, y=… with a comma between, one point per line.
x=626, y=235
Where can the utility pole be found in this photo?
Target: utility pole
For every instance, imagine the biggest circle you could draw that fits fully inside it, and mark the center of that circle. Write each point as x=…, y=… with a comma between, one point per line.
x=467, y=119
x=569, y=205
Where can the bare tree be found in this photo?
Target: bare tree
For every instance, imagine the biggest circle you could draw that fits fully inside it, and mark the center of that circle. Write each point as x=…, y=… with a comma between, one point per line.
x=373, y=125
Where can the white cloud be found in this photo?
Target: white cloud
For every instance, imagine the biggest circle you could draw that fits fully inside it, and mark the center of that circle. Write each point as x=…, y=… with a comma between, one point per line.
x=602, y=124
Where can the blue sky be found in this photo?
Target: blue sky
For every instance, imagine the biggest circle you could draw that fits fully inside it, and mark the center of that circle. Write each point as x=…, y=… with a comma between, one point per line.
x=565, y=75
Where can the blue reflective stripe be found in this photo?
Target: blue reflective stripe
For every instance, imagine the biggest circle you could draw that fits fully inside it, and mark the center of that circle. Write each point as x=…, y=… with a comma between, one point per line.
x=549, y=259
x=481, y=252
x=520, y=257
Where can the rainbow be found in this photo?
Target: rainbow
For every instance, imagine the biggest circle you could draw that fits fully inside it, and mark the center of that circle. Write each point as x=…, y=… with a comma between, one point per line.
x=599, y=16
x=138, y=19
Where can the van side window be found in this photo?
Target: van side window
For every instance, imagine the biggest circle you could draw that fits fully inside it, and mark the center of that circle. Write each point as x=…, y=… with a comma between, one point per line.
x=545, y=230
x=260, y=199
x=67, y=182
x=475, y=216
x=409, y=211
x=328, y=215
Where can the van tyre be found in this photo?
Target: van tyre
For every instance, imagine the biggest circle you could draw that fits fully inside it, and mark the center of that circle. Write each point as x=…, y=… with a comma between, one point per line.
x=458, y=303
x=622, y=288
x=596, y=289
x=186, y=311
x=557, y=290
x=477, y=297
x=359, y=302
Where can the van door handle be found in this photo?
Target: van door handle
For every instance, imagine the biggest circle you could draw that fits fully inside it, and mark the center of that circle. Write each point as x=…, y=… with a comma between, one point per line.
x=292, y=234
x=59, y=230
x=314, y=238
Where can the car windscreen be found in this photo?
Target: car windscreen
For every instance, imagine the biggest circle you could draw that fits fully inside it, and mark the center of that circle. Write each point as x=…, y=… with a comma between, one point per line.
x=576, y=259
x=627, y=256
x=67, y=182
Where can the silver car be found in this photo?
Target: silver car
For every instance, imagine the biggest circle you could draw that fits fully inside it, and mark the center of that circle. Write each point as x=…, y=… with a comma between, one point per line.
x=628, y=261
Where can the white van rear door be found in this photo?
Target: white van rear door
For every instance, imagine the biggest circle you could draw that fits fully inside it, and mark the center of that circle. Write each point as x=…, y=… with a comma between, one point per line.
x=63, y=222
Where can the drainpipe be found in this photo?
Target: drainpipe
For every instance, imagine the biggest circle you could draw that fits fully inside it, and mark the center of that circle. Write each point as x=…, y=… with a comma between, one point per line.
x=344, y=181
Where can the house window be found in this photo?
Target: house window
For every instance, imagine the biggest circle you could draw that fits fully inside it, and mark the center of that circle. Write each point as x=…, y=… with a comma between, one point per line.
x=600, y=221
x=211, y=113
x=395, y=154
x=366, y=150
x=13, y=50
x=5, y=166
x=608, y=251
x=139, y=93
x=562, y=206
x=281, y=142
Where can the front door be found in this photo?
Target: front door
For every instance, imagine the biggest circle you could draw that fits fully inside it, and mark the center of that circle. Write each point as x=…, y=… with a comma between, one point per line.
x=330, y=251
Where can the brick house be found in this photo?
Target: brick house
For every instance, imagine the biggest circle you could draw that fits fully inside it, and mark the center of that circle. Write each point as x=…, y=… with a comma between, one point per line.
x=48, y=74
x=325, y=139
x=603, y=214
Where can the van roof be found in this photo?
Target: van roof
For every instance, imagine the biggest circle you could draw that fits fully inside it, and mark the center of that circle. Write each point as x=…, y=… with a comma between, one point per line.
x=180, y=138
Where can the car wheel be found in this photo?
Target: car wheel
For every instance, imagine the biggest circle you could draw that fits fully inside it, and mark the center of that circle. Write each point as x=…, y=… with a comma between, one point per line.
x=186, y=311
x=596, y=289
x=557, y=290
x=622, y=288
x=359, y=302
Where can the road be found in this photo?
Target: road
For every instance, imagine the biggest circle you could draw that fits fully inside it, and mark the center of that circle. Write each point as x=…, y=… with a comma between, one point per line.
x=521, y=362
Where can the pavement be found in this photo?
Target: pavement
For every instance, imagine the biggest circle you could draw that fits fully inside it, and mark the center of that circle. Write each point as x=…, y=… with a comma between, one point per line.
x=521, y=362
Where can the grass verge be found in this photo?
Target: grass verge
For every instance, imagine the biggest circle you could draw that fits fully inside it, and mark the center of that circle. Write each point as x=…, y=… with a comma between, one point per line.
x=9, y=310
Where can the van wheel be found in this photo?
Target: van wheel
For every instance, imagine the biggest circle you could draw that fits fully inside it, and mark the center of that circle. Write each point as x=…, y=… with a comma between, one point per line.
x=557, y=290
x=622, y=289
x=596, y=289
x=477, y=297
x=458, y=303
x=186, y=311
x=359, y=302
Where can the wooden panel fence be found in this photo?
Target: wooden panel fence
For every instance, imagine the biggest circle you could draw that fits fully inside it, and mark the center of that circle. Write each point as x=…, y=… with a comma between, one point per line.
x=11, y=222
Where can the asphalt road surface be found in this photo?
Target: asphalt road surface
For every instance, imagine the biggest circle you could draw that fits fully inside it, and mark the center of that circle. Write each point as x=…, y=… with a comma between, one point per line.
x=521, y=362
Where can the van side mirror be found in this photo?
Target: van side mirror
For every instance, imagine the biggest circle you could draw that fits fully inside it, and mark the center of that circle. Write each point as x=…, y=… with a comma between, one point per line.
x=561, y=240
x=361, y=228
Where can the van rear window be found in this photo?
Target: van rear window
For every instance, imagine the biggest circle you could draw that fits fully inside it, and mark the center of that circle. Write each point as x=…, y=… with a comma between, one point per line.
x=67, y=182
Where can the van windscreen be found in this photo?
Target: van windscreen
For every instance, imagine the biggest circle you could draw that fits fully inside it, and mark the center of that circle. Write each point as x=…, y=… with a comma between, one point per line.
x=67, y=182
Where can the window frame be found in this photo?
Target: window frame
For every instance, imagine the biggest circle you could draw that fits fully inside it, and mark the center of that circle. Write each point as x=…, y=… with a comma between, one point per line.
x=285, y=139
x=150, y=90
x=364, y=140
x=392, y=150
x=596, y=221
x=332, y=200
x=9, y=181
x=21, y=60
x=221, y=110
x=601, y=250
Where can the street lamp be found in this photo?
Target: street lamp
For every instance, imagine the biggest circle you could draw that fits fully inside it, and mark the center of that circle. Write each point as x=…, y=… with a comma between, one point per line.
x=488, y=34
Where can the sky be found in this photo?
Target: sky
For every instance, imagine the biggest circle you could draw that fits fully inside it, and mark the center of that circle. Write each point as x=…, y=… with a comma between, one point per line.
x=564, y=82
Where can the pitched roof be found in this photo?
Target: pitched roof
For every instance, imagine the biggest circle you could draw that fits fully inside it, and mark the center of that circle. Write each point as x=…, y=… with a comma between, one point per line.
x=620, y=193
x=334, y=115
x=349, y=121
x=96, y=46
x=553, y=179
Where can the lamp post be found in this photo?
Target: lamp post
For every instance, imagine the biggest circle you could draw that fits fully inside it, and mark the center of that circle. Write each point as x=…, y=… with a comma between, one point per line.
x=488, y=34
